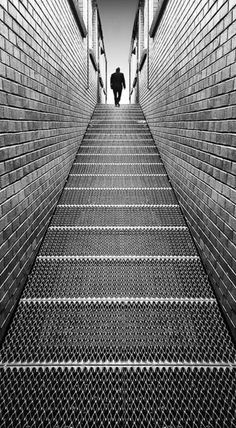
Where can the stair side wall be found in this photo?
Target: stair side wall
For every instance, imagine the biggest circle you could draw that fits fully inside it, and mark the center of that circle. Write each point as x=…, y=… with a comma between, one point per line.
x=188, y=94
x=45, y=106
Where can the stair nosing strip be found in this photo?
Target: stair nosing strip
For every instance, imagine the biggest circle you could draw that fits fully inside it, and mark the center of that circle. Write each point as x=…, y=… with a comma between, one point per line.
x=118, y=206
x=120, y=300
x=117, y=147
x=125, y=257
x=120, y=139
x=118, y=228
x=117, y=175
x=119, y=133
x=119, y=364
x=133, y=121
x=117, y=154
x=141, y=121
x=117, y=163
x=118, y=188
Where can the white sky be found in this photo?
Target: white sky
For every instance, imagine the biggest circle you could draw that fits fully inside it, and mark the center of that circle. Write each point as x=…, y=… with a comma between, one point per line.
x=117, y=18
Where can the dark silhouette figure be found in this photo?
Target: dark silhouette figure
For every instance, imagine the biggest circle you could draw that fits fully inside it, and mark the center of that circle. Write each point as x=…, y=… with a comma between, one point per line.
x=117, y=84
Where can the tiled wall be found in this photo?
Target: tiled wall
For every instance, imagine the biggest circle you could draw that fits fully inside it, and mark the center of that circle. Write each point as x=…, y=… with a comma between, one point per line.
x=188, y=95
x=46, y=101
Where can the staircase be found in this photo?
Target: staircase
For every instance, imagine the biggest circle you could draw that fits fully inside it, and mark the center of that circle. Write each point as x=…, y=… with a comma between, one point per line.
x=118, y=325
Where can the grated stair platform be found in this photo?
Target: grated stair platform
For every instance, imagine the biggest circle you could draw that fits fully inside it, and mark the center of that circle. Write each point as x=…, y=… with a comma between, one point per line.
x=118, y=325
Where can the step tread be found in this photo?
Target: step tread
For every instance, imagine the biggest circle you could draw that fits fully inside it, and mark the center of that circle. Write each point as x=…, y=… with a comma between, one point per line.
x=117, y=278
x=118, y=243
x=113, y=398
x=108, y=331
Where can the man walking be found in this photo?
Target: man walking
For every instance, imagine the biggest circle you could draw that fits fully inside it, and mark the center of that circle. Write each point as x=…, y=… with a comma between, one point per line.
x=117, y=84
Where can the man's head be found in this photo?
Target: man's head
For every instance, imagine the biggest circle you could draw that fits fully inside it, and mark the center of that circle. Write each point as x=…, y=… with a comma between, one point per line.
x=118, y=70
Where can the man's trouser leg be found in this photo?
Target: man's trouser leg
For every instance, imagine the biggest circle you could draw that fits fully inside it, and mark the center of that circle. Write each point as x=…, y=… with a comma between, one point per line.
x=119, y=95
x=115, y=96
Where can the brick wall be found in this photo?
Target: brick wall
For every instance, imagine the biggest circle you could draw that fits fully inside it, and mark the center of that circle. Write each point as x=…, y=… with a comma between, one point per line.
x=191, y=109
x=45, y=106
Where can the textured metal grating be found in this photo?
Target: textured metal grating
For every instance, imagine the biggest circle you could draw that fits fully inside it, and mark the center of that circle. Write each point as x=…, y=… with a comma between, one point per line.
x=118, y=196
x=189, y=398
x=111, y=116
x=122, y=127
x=147, y=158
x=111, y=168
x=117, y=129
x=101, y=141
x=108, y=331
x=120, y=116
x=142, y=136
x=115, y=216
x=119, y=150
x=113, y=121
x=117, y=181
x=118, y=278
x=118, y=242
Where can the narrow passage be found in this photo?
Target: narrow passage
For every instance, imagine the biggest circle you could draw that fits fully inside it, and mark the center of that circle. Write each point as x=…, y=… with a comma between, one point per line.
x=118, y=325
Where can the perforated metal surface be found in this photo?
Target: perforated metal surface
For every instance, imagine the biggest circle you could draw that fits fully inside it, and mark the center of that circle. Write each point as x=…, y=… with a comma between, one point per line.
x=122, y=127
x=115, y=216
x=114, y=116
x=189, y=398
x=118, y=278
x=142, y=136
x=117, y=181
x=118, y=196
x=117, y=158
x=111, y=168
x=105, y=331
x=119, y=130
x=118, y=242
x=101, y=141
x=117, y=149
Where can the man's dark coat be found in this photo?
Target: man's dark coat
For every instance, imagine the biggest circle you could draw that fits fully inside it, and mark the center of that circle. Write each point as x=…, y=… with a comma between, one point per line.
x=117, y=80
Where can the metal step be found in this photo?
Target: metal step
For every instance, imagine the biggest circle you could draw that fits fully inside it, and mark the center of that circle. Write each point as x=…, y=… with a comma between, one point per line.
x=114, y=121
x=118, y=168
x=120, y=126
x=109, y=117
x=118, y=278
x=117, y=242
x=116, y=158
x=118, y=196
x=117, y=216
x=118, y=150
x=70, y=332
x=116, y=137
x=91, y=398
x=117, y=181
x=116, y=141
